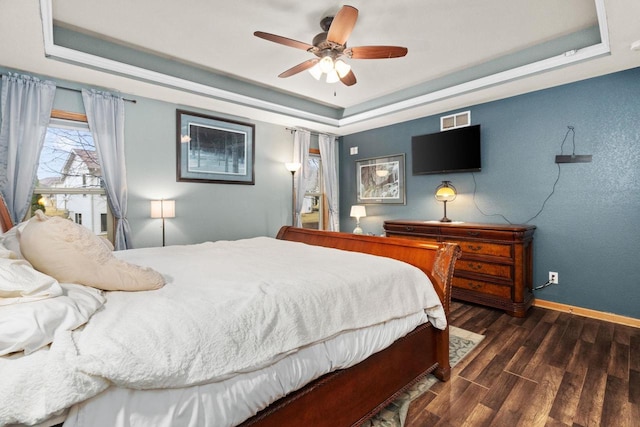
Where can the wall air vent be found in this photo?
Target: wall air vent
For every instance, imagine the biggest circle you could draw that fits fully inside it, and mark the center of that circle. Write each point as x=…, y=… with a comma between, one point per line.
x=457, y=120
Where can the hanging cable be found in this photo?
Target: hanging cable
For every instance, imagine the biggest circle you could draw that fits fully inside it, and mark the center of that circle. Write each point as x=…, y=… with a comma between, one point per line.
x=570, y=129
x=475, y=186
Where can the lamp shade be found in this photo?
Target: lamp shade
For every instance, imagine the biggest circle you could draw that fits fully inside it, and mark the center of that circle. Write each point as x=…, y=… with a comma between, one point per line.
x=358, y=211
x=446, y=192
x=163, y=209
x=292, y=166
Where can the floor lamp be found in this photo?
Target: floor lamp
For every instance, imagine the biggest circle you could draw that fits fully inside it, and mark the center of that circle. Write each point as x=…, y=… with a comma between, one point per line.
x=293, y=168
x=163, y=209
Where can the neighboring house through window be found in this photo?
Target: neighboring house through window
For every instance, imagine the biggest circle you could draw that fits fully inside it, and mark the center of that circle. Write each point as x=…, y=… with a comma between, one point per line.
x=69, y=181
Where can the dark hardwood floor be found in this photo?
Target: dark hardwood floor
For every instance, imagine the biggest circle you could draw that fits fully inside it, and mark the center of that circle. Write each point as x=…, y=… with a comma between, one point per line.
x=548, y=369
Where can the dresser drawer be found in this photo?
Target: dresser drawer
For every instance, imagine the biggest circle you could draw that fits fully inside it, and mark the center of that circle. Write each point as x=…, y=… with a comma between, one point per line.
x=479, y=234
x=482, y=248
x=490, y=269
x=482, y=287
x=423, y=239
x=417, y=228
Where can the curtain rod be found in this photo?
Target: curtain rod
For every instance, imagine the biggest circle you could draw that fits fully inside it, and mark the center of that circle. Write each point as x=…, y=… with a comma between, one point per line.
x=312, y=132
x=79, y=90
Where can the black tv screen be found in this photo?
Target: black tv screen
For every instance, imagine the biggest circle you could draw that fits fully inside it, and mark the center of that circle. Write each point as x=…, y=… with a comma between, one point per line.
x=456, y=150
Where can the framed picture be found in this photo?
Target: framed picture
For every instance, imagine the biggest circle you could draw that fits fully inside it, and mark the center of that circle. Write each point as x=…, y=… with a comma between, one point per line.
x=381, y=180
x=211, y=149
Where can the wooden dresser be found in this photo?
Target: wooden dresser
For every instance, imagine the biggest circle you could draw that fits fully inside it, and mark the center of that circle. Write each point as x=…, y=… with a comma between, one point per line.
x=496, y=267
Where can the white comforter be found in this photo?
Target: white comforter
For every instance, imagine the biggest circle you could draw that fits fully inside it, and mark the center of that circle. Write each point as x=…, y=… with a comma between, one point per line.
x=228, y=307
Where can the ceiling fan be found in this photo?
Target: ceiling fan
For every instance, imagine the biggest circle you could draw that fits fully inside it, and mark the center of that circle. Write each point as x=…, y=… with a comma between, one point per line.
x=331, y=45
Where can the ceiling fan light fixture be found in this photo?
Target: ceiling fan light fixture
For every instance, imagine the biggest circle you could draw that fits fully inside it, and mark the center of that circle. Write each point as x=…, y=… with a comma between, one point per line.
x=342, y=68
x=326, y=64
x=330, y=45
x=333, y=77
x=315, y=71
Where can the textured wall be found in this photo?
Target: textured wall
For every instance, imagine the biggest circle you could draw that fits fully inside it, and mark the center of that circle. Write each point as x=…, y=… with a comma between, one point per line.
x=587, y=231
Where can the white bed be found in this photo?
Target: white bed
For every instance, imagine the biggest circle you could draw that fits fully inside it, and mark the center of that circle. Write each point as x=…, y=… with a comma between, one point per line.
x=233, y=330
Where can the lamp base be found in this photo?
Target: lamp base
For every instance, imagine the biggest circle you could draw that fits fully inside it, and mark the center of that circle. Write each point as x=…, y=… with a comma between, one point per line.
x=445, y=219
x=357, y=230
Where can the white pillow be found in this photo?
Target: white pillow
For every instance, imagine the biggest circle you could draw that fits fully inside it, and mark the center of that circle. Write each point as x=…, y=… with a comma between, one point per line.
x=20, y=282
x=71, y=253
x=33, y=325
x=11, y=239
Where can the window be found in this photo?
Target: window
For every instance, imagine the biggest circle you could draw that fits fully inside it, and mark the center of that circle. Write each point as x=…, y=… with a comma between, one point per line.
x=69, y=180
x=313, y=205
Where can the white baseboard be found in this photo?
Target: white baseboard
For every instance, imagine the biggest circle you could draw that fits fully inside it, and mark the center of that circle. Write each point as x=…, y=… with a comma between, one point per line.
x=594, y=314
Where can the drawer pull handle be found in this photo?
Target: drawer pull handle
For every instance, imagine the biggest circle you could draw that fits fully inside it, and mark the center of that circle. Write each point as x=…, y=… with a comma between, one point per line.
x=473, y=233
x=475, y=285
x=409, y=228
x=475, y=248
x=473, y=266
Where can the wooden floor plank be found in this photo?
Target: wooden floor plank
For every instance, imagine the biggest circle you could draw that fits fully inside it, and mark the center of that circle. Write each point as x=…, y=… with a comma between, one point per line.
x=564, y=348
x=539, y=404
x=512, y=409
x=634, y=387
x=580, y=359
x=634, y=350
x=589, y=411
x=547, y=369
x=481, y=416
x=619, y=360
x=567, y=398
x=616, y=409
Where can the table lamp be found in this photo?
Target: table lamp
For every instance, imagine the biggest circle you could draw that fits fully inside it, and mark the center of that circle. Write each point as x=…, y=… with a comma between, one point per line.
x=445, y=192
x=358, y=211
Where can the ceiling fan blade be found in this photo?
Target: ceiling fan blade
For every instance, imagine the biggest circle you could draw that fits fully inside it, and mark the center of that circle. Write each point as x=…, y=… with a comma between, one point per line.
x=376, y=52
x=342, y=25
x=283, y=40
x=349, y=79
x=299, y=68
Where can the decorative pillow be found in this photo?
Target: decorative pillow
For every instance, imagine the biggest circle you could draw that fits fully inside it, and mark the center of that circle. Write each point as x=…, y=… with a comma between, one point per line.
x=33, y=325
x=71, y=253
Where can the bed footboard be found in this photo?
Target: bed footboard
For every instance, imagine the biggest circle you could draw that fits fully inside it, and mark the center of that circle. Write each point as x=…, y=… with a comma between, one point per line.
x=407, y=360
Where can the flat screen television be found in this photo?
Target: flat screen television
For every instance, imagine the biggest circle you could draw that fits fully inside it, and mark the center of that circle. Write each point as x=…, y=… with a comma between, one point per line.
x=456, y=150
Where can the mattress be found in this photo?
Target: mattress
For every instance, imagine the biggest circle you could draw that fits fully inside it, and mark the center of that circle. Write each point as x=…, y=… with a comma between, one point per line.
x=232, y=401
x=228, y=311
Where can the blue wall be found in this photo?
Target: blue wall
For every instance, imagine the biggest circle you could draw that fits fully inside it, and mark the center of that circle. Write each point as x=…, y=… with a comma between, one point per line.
x=587, y=231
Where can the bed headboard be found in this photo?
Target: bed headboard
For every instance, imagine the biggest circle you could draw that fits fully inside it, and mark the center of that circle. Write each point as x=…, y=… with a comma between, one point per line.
x=437, y=261
x=5, y=218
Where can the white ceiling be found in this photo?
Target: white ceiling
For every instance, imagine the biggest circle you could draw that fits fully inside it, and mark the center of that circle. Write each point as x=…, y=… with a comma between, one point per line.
x=460, y=52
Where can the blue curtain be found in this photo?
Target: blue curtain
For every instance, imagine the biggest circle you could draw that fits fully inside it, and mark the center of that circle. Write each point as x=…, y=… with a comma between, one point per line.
x=105, y=114
x=26, y=110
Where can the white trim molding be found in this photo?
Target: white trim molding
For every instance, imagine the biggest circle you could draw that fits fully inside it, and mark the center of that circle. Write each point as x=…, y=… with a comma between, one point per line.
x=92, y=61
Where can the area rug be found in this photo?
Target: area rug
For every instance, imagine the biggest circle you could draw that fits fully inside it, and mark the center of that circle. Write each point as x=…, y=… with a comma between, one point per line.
x=461, y=342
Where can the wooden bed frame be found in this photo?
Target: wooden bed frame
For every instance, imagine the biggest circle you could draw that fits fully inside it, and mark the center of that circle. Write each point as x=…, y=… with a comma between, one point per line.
x=351, y=396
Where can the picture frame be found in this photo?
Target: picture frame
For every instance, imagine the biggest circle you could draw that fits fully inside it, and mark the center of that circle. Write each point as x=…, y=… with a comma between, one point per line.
x=381, y=180
x=214, y=150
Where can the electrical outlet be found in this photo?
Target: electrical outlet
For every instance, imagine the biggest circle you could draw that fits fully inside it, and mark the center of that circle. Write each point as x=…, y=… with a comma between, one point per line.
x=553, y=277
